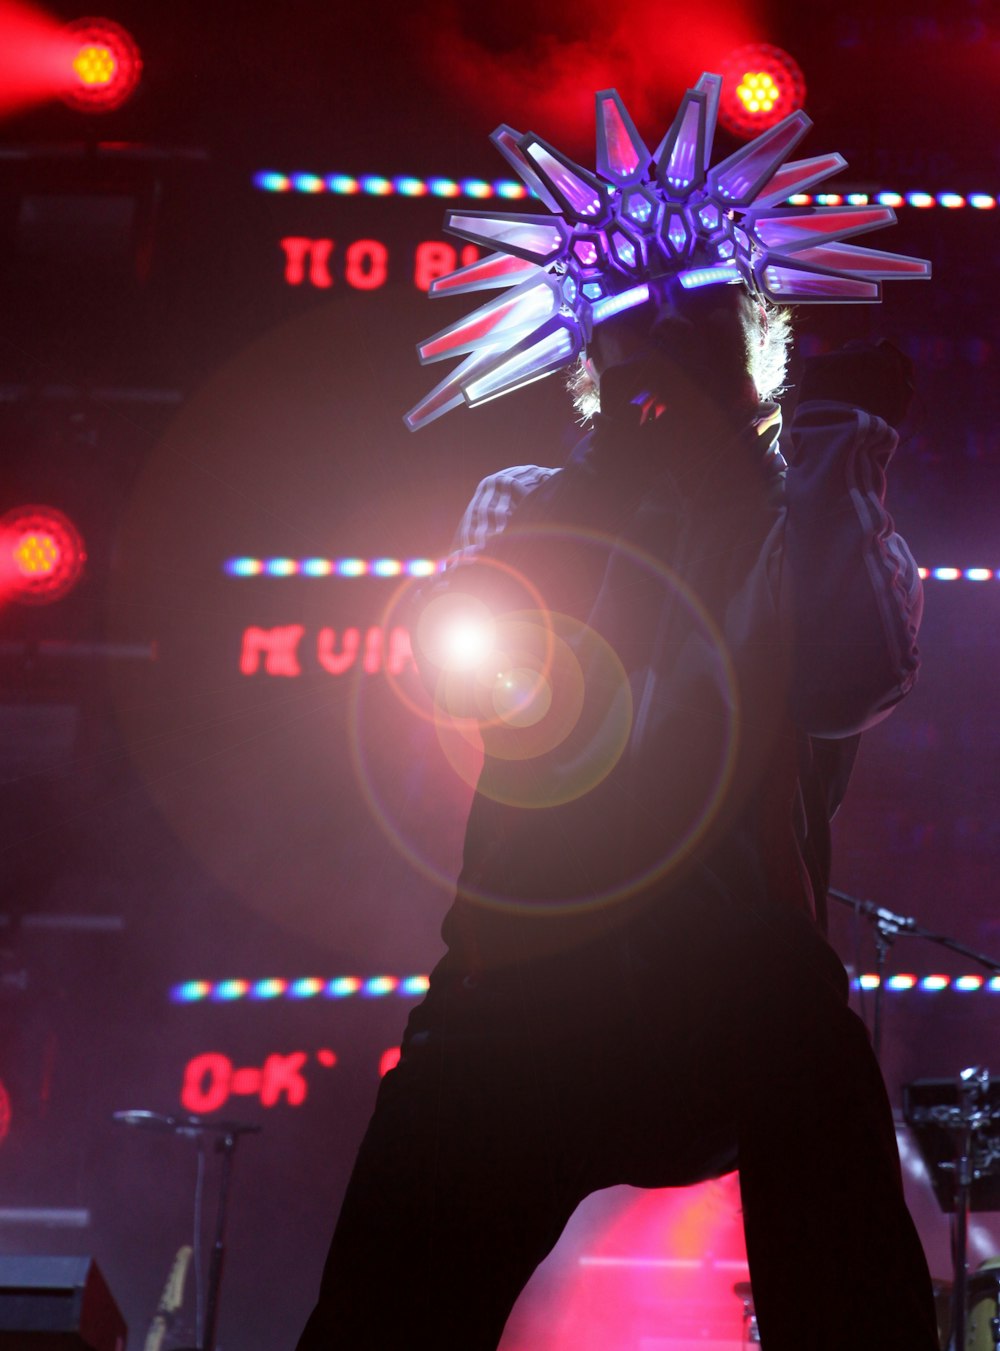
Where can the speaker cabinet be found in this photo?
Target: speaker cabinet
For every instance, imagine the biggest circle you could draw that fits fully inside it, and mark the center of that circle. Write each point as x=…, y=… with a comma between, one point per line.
x=57, y=1304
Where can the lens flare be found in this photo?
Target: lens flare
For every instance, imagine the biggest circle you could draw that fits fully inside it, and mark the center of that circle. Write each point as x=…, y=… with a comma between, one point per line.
x=457, y=623
x=555, y=711
x=561, y=689
x=469, y=644
x=521, y=697
x=456, y=632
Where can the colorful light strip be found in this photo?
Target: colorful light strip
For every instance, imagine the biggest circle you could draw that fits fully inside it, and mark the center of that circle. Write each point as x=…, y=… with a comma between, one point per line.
x=478, y=189
x=427, y=567
x=332, y=567
x=374, y=185
x=951, y=201
x=299, y=987
x=931, y=984
x=413, y=987
x=949, y=574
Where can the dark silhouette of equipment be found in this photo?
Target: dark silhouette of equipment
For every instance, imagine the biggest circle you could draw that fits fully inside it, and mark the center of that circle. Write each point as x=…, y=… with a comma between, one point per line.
x=59, y=1304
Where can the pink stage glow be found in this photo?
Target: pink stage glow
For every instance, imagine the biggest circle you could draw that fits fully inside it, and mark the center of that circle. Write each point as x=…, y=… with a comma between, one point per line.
x=641, y=1268
x=550, y=60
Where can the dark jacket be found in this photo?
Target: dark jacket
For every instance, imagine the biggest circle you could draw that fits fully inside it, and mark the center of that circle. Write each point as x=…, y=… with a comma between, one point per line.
x=700, y=634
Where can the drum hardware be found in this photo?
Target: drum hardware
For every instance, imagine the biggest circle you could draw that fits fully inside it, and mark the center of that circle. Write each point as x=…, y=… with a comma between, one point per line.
x=948, y=1117
x=984, y=1302
x=227, y=1135
x=942, y=1307
x=957, y=1127
x=942, y=1310
x=751, y=1334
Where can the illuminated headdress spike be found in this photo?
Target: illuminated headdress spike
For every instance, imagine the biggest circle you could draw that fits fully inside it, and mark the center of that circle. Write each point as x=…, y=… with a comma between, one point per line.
x=506, y=141
x=783, y=282
x=537, y=239
x=680, y=159
x=711, y=87
x=533, y=357
x=873, y=263
x=519, y=311
x=622, y=157
x=497, y=269
x=787, y=231
x=797, y=176
x=449, y=394
x=738, y=179
x=581, y=194
x=607, y=238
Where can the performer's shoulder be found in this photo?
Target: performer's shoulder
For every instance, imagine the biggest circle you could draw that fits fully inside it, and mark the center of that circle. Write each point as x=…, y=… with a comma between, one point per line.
x=494, y=502
x=518, y=480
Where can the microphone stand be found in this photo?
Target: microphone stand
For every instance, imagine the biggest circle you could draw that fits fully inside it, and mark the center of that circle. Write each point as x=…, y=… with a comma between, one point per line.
x=887, y=926
x=197, y=1128
x=229, y=1133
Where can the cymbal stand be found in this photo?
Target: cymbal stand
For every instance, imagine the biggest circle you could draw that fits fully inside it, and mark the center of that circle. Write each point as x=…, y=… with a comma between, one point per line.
x=971, y=1086
x=975, y=1158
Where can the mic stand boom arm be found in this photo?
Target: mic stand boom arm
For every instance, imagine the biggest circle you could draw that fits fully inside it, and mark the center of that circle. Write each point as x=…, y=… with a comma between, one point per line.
x=888, y=926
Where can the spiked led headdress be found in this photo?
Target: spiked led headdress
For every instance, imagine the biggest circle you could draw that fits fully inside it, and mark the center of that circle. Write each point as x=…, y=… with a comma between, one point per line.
x=608, y=234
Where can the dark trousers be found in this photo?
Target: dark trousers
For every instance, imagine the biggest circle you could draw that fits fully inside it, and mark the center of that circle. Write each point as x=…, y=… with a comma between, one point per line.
x=719, y=1039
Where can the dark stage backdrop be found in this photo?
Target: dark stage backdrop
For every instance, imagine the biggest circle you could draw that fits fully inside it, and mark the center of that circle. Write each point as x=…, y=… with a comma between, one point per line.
x=228, y=830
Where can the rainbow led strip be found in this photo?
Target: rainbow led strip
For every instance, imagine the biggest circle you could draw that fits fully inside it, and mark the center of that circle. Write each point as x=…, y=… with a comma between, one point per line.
x=931, y=984
x=413, y=987
x=427, y=567
x=332, y=567
x=478, y=189
x=301, y=987
x=374, y=185
x=959, y=574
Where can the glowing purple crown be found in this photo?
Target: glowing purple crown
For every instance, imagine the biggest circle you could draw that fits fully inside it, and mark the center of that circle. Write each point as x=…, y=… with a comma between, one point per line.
x=641, y=216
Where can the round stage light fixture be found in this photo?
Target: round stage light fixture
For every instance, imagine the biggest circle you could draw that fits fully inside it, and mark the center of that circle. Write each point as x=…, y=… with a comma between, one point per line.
x=41, y=555
x=761, y=85
x=104, y=65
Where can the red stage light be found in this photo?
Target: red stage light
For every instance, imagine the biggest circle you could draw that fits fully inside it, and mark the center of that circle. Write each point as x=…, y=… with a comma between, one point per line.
x=103, y=65
x=761, y=85
x=32, y=49
x=41, y=555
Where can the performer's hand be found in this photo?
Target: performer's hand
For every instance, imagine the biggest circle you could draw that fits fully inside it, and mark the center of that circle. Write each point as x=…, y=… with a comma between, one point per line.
x=877, y=377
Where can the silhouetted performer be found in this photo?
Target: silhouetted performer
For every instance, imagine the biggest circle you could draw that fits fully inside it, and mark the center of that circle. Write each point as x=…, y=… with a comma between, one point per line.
x=670, y=645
